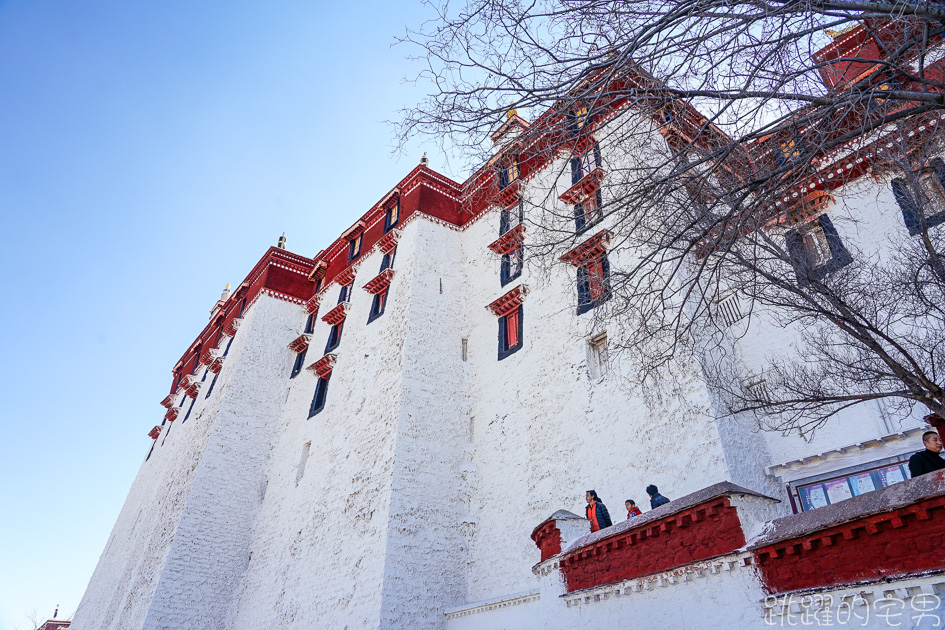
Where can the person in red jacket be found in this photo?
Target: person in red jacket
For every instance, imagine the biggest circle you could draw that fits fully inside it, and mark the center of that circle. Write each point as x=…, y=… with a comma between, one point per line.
x=632, y=509
x=596, y=511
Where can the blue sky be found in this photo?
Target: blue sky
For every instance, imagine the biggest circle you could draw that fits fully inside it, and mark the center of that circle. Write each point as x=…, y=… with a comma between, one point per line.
x=149, y=154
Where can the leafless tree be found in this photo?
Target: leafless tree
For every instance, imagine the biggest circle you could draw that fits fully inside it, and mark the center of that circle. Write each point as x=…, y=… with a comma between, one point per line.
x=726, y=124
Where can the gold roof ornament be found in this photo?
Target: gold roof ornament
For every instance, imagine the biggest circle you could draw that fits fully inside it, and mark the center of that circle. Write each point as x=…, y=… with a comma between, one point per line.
x=512, y=113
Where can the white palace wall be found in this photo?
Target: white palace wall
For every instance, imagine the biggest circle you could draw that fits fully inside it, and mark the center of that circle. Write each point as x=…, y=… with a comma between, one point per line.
x=412, y=495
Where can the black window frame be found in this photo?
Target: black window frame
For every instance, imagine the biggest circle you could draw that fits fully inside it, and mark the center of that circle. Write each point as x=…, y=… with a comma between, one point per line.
x=387, y=262
x=577, y=172
x=299, y=363
x=912, y=214
x=344, y=294
x=388, y=214
x=505, y=217
x=586, y=304
x=378, y=305
x=505, y=173
x=504, y=349
x=355, y=245
x=320, y=397
x=334, y=337
x=580, y=222
x=210, y=389
x=310, y=324
x=505, y=274
x=804, y=269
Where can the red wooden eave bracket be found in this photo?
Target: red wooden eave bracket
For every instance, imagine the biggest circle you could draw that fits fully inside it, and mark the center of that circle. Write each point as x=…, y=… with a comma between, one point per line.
x=336, y=315
x=193, y=389
x=354, y=230
x=346, y=276
x=186, y=381
x=585, y=187
x=207, y=357
x=507, y=243
x=379, y=282
x=509, y=195
x=324, y=366
x=172, y=414
x=169, y=400
x=312, y=304
x=590, y=249
x=230, y=330
x=154, y=433
x=300, y=343
x=509, y=302
x=389, y=241
x=216, y=366
x=318, y=271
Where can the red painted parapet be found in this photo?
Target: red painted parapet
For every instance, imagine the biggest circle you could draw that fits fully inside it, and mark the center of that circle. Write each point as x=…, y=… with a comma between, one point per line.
x=893, y=531
x=559, y=530
x=693, y=528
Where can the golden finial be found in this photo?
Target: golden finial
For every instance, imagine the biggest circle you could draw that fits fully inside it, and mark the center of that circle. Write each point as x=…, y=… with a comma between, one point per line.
x=509, y=115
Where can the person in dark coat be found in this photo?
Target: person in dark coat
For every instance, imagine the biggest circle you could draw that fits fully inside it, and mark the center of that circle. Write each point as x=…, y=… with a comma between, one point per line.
x=656, y=499
x=930, y=459
x=596, y=511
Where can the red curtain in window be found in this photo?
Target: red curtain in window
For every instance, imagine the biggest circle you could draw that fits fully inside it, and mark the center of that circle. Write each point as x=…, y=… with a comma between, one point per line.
x=595, y=277
x=511, y=328
x=381, y=299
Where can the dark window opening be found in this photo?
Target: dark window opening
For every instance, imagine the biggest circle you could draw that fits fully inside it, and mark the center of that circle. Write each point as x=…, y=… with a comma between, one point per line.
x=578, y=119
x=321, y=393
x=212, y=383
x=310, y=324
x=508, y=173
x=816, y=250
x=196, y=360
x=189, y=409
x=789, y=151
x=510, y=333
x=588, y=212
x=582, y=165
x=354, y=247
x=345, y=294
x=228, y=344
x=242, y=307
x=392, y=216
x=388, y=261
x=299, y=362
x=511, y=265
x=334, y=337
x=377, y=306
x=930, y=206
x=593, y=284
x=511, y=217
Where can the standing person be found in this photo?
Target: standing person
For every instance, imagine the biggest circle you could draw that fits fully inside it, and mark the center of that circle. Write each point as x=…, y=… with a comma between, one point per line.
x=930, y=459
x=596, y=511
x=656, y=499
x=632, y=509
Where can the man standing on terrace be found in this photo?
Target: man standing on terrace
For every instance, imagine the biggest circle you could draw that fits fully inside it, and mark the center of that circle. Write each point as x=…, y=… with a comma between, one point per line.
x=930, y=459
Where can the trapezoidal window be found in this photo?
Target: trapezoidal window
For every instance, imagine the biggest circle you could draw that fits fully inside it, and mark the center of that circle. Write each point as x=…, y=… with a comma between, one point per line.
x=392, y=216
x=588, y=212
x=816, y=250
x=334, y=337
x=354, y=247
x=345, y=294
x=377, y=306
x=511, y=217
x=299, y=363
x=510, y=332
x=388, y=260
x=511, y=265
x=593, y=283
x=928, y=206
x=578, y=119
x=310, y=324
x=321, y=395
x=508, y=173
x=582, y=165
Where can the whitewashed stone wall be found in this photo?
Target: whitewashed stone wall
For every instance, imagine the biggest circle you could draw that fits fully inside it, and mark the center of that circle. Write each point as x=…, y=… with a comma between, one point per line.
x=182, y=538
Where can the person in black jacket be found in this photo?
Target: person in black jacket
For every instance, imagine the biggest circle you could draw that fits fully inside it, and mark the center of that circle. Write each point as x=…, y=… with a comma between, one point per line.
x=928, y=460
x=596, y=511
x=656, y=499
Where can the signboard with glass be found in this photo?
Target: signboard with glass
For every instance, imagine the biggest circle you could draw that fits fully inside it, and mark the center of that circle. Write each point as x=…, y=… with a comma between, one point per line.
x=829, y=491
